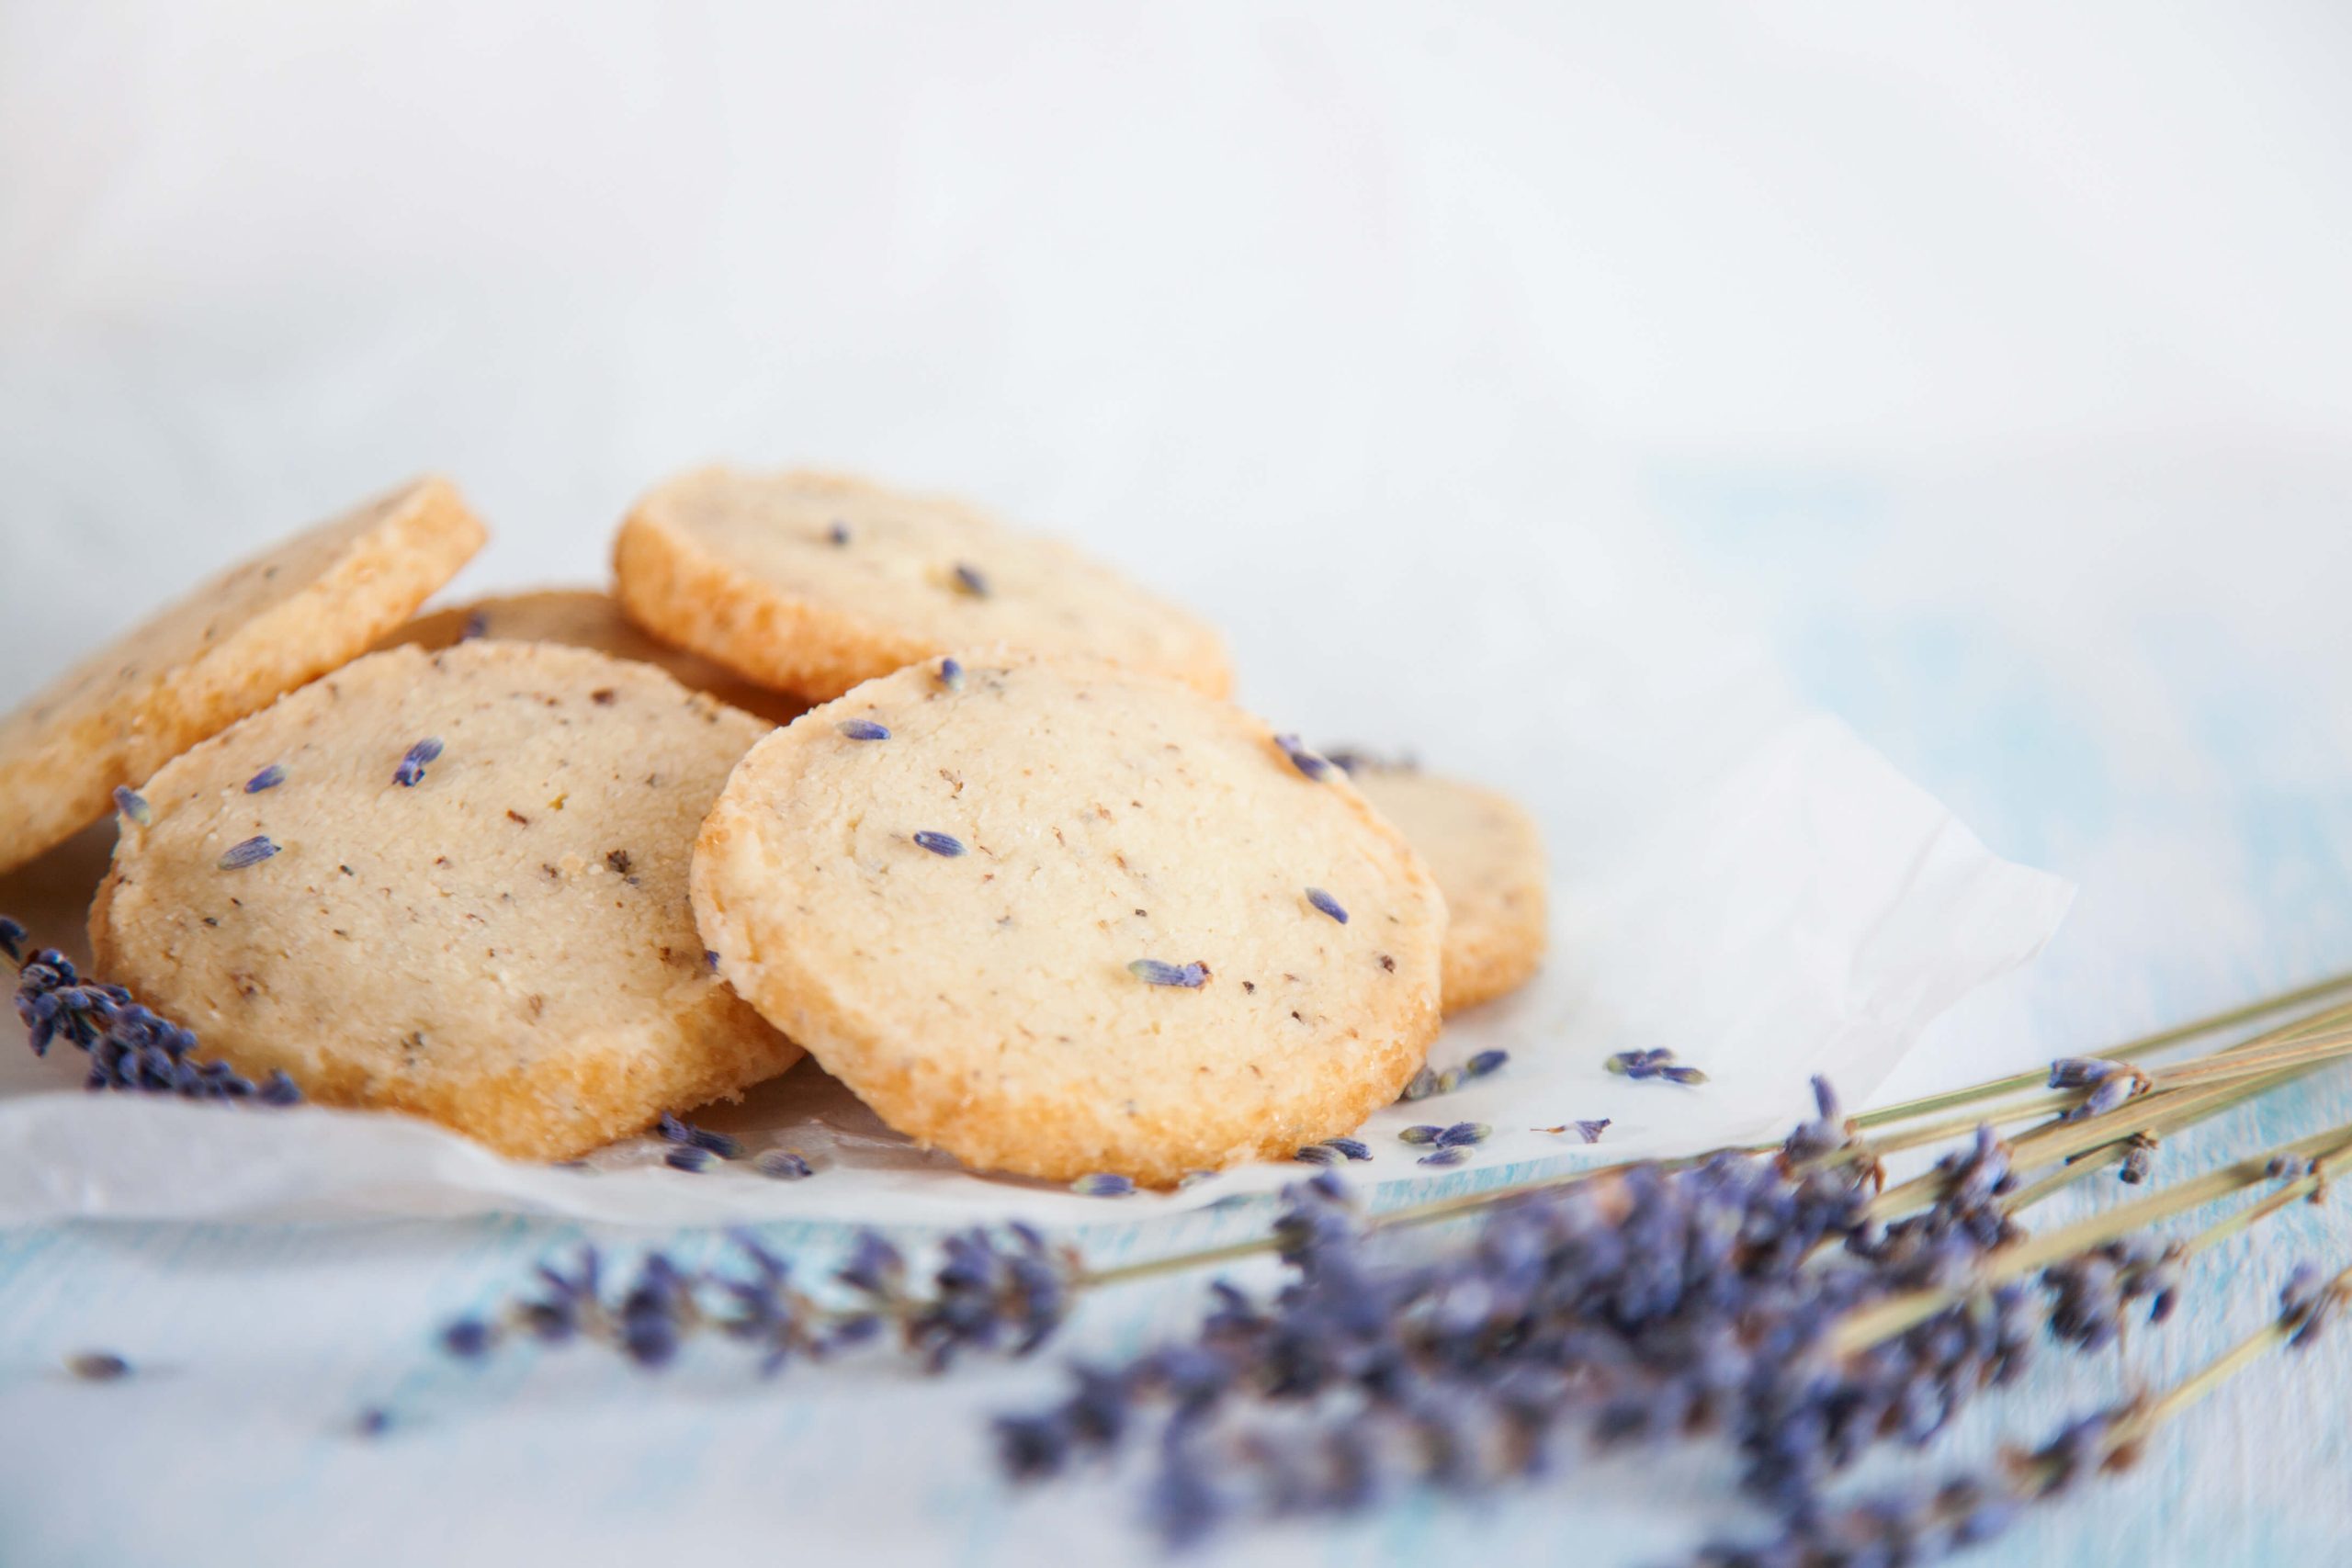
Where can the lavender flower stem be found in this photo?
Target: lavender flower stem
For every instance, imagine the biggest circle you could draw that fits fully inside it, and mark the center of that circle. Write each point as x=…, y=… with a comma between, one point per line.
x=2323, y=1167
x=2185, y=1112
x=2130, y=1050
x=2154, y=1412
x=2308, y=1049
x=1887, y=1318
x=2058, y=1140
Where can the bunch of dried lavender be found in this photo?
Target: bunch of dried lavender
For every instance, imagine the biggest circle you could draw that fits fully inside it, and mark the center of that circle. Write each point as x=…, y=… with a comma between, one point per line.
x=131, y=1046
x=1779, y=1298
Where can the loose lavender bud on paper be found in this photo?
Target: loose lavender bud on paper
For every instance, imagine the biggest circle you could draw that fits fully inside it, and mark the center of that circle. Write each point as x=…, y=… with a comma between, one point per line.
x=1423, y=1085
x=1484, y=1063
x=132, y=804
x=1316, y=1154
x=1328, y=905
x=1683, y=1074
x=1152, y=971
x=252, y=851
x=13, y=937
x=1445, y=1156
x=98, y=1366
x=411, y=772
x=941, y=843
x=685, y=1133
x=689, y=1157
x=1420, y=1133
x=782, y=1165
x=1102, y=1184
x=269, y=777
x=1463, y=1134
x=1352, y=1148
x=863, y=729
x=1638, y=1064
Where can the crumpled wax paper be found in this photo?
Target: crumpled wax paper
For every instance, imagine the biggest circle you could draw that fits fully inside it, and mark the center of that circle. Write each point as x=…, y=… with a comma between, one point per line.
x=1737, y=879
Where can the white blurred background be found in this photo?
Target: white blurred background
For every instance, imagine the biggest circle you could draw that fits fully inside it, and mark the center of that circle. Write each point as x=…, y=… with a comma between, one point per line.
x=1393, y=337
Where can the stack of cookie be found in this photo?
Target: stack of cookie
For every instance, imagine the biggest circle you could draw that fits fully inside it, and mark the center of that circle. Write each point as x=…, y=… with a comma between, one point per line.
x=542, y=868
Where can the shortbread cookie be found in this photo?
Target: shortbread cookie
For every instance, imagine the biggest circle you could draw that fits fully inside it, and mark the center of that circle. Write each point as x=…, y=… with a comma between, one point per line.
x=230, y=648
x=453, y=885
x=1057, y=918
x=581, y=617
x=1488, y=860
x=813, y=582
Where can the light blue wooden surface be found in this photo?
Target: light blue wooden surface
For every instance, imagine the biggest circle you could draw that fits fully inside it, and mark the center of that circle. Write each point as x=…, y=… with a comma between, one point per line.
x=2133, y=672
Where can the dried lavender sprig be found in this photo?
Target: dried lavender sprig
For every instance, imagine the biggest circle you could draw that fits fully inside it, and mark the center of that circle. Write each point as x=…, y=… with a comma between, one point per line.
x=131, y=1046
x=2189, y=1106
x=2146, y=1045
x=1968, y=1511
x=1003, y=1290
x=1899, y=1312
x=2095, y=1089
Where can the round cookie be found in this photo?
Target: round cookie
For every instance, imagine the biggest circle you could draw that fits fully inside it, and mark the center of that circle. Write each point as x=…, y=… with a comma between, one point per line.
x=230, y=648
x=463, y=896
x=1064, y=918
x=581, y=617
x=1488, y=860
x=813, y=582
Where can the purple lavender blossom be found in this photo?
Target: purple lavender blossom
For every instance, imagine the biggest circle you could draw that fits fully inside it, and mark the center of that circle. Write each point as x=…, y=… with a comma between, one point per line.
x=411, y=772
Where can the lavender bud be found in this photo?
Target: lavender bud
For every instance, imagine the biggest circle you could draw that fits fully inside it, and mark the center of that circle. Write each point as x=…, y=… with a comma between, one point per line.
x=1463, y=1133
x=1304, y=760
x=2082, y=1072
x=269, y=777
x=863, y=729
x=1445, y=1156
x=252, y=851
x=951, y=673
x=968, y=580
x=98, y=1366
x=1484, y=1063
x=940, y=844
x=1152, y=971
x=132, y=804
x=1102, y=1184
x=782, y=1165
x=1328, y=905
x=1420, y=1133
x=411, y=772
